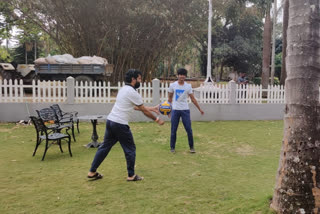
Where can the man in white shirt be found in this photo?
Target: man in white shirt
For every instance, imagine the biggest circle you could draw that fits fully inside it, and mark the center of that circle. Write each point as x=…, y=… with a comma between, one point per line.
x=179, y=91
x=117, y=128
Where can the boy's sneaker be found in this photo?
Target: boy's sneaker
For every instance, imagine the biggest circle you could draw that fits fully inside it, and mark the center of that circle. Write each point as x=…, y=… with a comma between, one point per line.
x=192, y=151
x=173, y=151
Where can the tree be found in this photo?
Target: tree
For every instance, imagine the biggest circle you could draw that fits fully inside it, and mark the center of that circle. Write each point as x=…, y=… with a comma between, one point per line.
x=241, y=45
x=6, y=23
x=129, y=33
x=236, y=38
x=28, y=34
x=297, y=188
x=278, y=59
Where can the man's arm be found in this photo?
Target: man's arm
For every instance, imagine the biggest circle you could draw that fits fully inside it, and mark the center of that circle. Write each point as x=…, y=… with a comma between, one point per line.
x=154, y=109
x=195, y=102
x=147, y=113
x=170, y=96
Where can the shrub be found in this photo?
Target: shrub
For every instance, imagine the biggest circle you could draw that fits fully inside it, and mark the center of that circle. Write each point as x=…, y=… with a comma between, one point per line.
x=257, y=81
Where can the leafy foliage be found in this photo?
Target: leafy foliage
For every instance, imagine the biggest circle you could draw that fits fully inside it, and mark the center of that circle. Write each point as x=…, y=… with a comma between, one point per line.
x=129, y=33
x=5, y=56
x=236, y=39
x=6, y=21
x=257, y=80
x=153, y=36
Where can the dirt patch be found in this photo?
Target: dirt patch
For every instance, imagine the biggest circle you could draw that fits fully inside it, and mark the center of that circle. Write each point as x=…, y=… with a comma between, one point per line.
x=9, y=129
x=4, y=130
x=245, y=150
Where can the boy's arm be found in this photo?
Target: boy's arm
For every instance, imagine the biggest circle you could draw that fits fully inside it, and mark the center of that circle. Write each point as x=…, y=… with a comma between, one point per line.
x=195, y=102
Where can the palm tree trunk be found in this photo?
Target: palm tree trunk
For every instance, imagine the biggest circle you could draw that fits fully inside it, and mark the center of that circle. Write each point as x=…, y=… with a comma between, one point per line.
x=266, y=55
x=273, y=54
x=297, y=188
x=284, y=41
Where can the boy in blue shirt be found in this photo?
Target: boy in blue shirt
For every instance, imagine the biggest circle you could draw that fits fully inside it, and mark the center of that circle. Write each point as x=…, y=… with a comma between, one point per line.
x=179, y=91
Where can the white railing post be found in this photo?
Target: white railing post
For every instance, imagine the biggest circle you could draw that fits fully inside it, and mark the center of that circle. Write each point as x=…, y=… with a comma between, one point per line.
x=109, y=92
x=155, y=91
x=233, y=92
x=70, y=90
x=10, y=90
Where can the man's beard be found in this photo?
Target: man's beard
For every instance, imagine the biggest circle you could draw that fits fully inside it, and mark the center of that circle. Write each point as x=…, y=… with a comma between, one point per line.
x=137, y=85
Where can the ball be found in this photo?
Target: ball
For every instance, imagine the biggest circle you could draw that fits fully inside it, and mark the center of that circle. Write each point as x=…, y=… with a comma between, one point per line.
x=165, y=108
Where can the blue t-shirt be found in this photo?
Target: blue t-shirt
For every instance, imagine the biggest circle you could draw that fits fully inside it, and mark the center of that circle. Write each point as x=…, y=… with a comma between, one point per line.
x=242, y=80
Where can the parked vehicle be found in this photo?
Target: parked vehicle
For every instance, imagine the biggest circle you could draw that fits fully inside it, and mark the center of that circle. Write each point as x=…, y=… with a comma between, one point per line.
x=81, y=72
x=26, y=72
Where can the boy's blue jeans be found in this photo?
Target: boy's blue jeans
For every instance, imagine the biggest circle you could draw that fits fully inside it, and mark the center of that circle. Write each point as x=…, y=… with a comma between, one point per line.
x=116, y=132
x=175, y=118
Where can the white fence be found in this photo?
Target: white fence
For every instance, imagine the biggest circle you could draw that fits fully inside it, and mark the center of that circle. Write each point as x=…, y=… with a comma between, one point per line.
x=15, y=91
x=254, y=94
x=234, y=93
x=103, y=92
x=71, y=91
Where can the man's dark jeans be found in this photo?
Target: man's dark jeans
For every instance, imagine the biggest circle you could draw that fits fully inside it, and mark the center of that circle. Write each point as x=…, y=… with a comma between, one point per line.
x=175, y=118
x=116, y=132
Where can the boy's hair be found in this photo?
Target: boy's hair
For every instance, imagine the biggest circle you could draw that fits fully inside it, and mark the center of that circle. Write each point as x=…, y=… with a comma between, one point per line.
x=132, y=73
x=182, y=71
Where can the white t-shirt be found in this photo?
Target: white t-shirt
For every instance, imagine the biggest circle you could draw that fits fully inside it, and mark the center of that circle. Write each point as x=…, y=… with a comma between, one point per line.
x=180, y=95
x=127, y=99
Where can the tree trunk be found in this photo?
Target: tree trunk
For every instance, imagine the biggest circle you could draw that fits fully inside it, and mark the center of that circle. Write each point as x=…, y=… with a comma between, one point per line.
x=26, y=55
x=35, y=49
x=273, y=54
x=221, y=72
x=8, y=36
x=164, y=69
x=169, y=67
x=297, y=188
x=266, y=54
x=284, y=41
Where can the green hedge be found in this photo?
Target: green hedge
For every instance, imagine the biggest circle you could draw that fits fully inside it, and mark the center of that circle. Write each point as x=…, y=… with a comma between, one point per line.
x=257, y=80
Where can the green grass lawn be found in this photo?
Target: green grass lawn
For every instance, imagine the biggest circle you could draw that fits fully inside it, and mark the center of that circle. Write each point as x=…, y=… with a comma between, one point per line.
x=233, y=171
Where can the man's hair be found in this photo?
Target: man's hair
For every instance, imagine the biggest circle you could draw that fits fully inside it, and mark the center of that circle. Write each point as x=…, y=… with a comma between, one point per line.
x=132, y=73
x=182, y=71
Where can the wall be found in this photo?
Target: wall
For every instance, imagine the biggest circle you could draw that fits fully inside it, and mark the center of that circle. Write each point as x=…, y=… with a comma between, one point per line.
x=13, y=112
